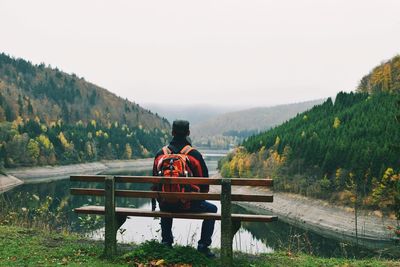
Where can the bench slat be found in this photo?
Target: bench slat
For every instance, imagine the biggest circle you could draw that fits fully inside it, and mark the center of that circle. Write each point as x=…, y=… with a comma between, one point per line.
x=87, y=178
x=172, y=195
x=192, y=180
x=169, y=180
x=182, y=215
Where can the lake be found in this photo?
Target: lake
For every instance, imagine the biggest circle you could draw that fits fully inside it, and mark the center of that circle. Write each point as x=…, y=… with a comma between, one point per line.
x=251, y=238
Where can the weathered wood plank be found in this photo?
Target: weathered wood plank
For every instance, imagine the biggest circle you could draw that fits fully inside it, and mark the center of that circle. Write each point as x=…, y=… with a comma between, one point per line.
x=172, y=195
x=110, y=242
x=87, y=178
x=87, y=192
x=169, y=180
x=192, y=180
x=99, y=210
x=226, y=221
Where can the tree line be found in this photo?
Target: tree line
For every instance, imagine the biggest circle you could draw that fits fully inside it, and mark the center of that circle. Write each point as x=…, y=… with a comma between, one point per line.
x=31, y=142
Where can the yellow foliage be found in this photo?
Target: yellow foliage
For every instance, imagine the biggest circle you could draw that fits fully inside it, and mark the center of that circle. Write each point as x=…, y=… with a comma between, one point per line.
x=45, y=142
x=387, y=78
x=387, y=175
x=93, y=123
x=128, y=151
x=17, y=122
x=33, y=149
x=89, y=149
x=64, y=140
x=241, y=169
x=277, y=141
x=275, y=155
x=336, y=123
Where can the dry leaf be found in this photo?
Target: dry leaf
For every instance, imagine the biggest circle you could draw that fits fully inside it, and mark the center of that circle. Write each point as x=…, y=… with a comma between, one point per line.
x=160, y=262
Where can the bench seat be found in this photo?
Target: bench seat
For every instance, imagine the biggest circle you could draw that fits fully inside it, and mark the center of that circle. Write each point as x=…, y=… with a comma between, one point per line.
x=181, y=215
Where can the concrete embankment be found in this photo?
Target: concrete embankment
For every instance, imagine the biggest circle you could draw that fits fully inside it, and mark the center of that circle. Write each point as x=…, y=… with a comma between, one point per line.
x=7, y=182
x=374, y=230
x=49, y=173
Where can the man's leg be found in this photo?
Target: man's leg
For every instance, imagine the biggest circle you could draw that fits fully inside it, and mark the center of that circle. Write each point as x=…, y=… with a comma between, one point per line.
x=207, y=228
x=166, y=231
x=166, y=225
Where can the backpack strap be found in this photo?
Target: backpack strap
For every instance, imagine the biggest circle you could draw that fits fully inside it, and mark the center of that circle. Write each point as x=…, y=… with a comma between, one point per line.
x=166, y=150
x=186, y=150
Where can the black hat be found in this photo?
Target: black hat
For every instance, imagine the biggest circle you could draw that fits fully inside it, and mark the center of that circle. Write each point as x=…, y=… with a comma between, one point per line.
x=180, y=127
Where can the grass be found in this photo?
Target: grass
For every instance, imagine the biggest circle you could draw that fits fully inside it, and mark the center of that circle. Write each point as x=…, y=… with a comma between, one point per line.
x=30, y=247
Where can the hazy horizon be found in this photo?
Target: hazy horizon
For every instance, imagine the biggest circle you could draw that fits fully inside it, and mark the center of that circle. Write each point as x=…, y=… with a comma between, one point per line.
x=225, y=53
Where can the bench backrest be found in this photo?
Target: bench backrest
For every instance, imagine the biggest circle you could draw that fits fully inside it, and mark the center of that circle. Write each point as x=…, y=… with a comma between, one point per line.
x=173, y=195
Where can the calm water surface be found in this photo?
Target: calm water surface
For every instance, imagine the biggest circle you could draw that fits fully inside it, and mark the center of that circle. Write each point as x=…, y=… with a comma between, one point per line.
x=252, y=237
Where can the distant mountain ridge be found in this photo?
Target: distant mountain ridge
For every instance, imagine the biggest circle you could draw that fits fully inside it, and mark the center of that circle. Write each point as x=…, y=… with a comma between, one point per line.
x=246, y=122
x=31, y=91
x=195, y=114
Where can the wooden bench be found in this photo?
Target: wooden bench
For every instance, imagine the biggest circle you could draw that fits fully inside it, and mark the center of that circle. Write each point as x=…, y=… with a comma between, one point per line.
x=115, y=216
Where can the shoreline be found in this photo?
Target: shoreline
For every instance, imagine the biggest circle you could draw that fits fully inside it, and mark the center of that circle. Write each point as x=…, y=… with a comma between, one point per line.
x=51, y=173
x=322, y=217
x=8, y=182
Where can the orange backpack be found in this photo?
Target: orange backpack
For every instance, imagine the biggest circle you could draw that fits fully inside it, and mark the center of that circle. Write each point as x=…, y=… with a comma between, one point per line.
x=175, y=165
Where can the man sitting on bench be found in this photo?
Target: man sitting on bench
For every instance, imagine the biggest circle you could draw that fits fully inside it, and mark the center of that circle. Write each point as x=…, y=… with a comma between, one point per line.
x=180, y=159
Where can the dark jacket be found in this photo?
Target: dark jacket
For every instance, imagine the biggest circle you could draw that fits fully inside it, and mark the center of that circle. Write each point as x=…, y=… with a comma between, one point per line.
x=197, y=163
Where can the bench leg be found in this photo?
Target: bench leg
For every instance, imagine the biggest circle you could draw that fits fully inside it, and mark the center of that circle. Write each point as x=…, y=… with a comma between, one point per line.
x=110, y=218
x=226, y=223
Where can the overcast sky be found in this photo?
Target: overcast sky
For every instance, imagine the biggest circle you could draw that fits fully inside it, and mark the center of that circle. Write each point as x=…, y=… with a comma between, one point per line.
x=253, y=53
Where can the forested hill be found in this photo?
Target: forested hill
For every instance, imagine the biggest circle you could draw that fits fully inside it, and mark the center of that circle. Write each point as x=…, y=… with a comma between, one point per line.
x=31, y=91
x=346, y=151
x=50, y=117
x=333, y=151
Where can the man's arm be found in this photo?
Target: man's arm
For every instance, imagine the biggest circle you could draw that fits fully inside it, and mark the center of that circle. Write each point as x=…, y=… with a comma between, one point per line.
x=156, y=159
x=200, y=169
x=154, y=187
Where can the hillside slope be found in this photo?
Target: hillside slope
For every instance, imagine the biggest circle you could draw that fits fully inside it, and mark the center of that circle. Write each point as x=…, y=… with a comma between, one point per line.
x=334, y=151
x=50, y=117
x=29, y=90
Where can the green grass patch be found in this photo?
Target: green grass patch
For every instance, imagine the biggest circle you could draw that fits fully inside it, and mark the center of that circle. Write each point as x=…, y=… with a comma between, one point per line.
x=31, y=247
x=153, y=251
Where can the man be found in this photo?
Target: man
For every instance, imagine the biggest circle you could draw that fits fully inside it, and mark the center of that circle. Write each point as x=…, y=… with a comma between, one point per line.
x=180, y=140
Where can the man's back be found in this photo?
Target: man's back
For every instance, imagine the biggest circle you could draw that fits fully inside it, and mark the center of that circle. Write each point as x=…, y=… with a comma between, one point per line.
x=197, y=163
x=198, y=168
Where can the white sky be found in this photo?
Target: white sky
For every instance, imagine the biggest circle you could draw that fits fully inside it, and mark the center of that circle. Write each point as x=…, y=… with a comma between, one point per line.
x=218, y=52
